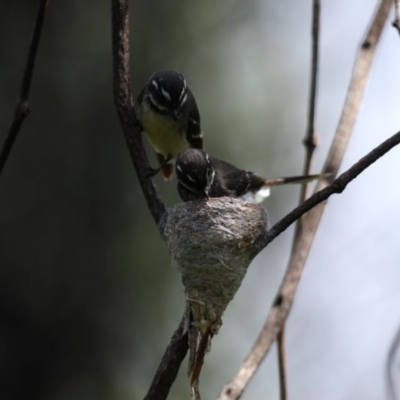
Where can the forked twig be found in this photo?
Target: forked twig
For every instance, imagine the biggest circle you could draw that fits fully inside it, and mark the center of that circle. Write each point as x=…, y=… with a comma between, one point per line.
x=302, y=247
x=22, y=108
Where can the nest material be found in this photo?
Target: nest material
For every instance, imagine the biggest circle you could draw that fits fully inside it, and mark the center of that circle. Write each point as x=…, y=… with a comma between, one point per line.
x=212, y=243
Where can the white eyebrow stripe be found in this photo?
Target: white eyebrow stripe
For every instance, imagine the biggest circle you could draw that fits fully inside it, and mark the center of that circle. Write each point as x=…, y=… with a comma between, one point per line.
x=154, y=83
x=183, y=100
x=183, y=91
x=166, y=94
x=178, y=167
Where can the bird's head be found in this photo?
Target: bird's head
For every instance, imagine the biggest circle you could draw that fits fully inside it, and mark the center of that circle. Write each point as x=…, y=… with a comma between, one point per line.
x=195, y=172
x=167, y=92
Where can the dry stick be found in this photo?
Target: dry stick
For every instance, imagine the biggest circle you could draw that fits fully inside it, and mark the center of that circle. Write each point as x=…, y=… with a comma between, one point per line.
x=124, y=104
x=281, y=308
x=310, y=143
x=286, y=292
x=396, y=22
x=22, y=109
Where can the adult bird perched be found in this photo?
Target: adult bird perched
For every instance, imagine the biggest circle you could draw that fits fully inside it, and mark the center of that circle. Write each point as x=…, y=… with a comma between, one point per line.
x=201, y=176
x=169, y=117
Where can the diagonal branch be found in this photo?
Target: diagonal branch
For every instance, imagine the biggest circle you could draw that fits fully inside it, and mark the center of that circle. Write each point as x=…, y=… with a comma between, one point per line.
x=124, y=104
x=310, y=224
x=284, y=298
x=170, y=364
x=22, y=109
x=357, y=88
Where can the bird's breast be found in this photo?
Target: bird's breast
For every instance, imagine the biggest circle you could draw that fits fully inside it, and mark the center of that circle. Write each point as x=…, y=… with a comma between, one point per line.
x=166, y=135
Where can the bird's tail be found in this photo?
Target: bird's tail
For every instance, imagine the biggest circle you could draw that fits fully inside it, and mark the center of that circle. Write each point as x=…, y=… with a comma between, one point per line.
x=294, y=179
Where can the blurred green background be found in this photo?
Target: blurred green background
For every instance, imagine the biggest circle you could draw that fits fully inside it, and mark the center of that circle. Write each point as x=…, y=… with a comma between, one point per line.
x=88, y=297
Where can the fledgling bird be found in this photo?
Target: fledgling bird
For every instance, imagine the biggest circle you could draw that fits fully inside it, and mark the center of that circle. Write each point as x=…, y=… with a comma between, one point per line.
x=201, y=176
x=169, y=117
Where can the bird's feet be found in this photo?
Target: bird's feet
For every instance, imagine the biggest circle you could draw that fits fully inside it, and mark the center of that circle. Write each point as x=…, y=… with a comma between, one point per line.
x=150, y=172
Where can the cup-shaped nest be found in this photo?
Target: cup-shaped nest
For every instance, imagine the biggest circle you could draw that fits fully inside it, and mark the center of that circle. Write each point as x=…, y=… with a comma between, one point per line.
x=212, y=243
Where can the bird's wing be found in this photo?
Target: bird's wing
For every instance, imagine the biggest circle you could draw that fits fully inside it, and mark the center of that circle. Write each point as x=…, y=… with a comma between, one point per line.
x=235, y=180
x=194, y=134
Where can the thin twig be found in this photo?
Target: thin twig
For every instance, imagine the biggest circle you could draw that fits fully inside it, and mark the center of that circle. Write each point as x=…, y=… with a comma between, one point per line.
x=170, y=364
x=310, y=139
x=282, y=369
x=284, y=298
x=302, y=247
x=124, y=104
x=22, y=108
x=310, y=143
x=396, y=22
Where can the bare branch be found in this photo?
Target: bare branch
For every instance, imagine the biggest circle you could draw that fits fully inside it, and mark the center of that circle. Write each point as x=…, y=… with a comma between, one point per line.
x=22, y=108
x=310, y=223
x=310, y=140
x=396, y=22
x=310, y=143
x=357, y=88
x=284, y=298
x=124, y=104
x=282, y=370
x=170, y=364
